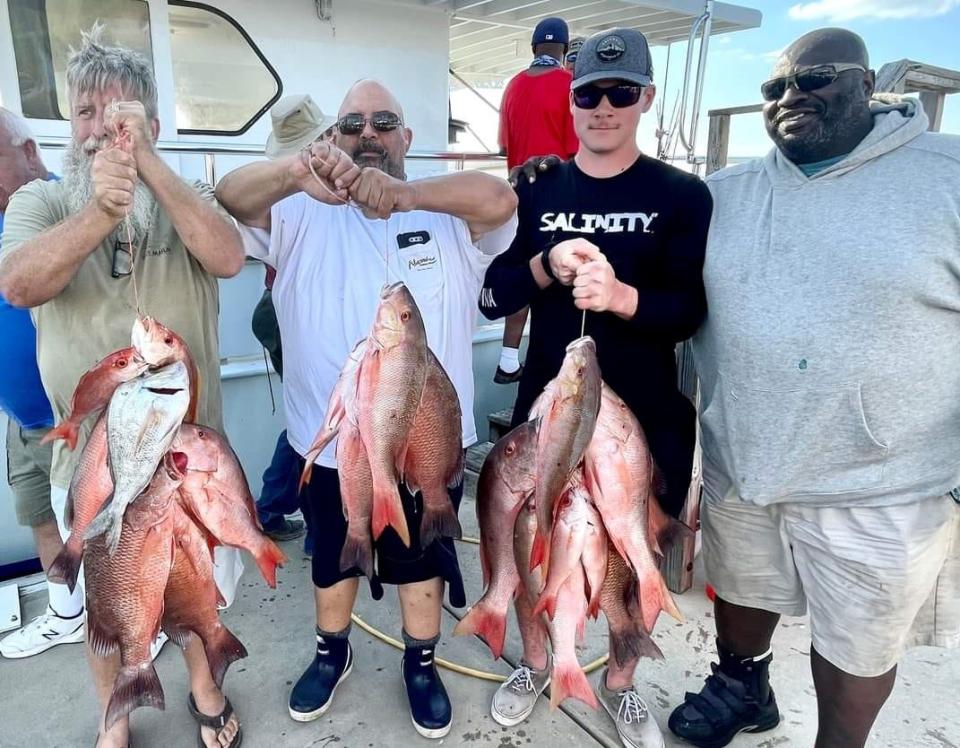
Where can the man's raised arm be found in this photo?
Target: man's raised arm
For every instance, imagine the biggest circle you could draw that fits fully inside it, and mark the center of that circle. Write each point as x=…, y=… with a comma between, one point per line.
x=248, y=193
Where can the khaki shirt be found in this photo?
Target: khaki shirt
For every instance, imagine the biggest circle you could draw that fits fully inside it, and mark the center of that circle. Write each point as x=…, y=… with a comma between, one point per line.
x=93, y=316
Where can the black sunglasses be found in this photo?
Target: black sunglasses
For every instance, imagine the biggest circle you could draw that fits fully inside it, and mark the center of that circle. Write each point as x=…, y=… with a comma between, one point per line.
x=620, y=96
x=353, y=124
x=122, y=259
x=807, y=80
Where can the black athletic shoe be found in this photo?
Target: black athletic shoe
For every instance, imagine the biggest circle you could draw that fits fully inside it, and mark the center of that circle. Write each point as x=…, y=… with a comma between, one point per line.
x=504, y=377
x=288, y=529
x=736, y=698
x=430, y=708
x=313, y=693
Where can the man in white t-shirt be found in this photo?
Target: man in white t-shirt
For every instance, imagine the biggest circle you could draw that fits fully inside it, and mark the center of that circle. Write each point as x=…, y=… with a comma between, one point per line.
x=437, y=235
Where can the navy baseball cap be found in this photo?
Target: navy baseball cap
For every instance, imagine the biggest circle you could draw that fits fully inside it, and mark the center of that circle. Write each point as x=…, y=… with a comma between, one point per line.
x=551, y=31
x=614, y=54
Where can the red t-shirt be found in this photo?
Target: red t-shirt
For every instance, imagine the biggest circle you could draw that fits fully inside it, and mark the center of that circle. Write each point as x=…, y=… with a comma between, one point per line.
x=535, y=117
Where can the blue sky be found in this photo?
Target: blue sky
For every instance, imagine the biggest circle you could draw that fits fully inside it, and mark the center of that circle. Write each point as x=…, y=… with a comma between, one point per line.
x=922, y=30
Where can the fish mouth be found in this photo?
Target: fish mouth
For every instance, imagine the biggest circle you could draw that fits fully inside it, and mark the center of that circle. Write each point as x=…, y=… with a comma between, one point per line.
x=176, y=464
x=387, y=291
x=165, y=390
x=580, y=343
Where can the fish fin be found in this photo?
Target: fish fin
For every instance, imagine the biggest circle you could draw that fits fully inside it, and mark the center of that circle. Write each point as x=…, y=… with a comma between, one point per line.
x=485, y=571
x=68, y=431
x=439, y=523
x=100, y=642
x=657, y=482
x=663, y=530
x=388, y=511
x=630, y=643
x=221, y=600
x=268, y=558
x=490, y=625
x=654, y=597
x=66, y=566
x=134, y=687
x=68, y=509
x=180, y=637
x=101, y=522
x=456, y=477
x=547, y=603
x=412, y=486
x=538, y=551
x=357, y=553
x=568, y=681
x=223, y=649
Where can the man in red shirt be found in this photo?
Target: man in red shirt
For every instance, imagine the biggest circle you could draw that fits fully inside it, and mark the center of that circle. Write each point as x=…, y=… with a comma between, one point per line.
x=535, y=120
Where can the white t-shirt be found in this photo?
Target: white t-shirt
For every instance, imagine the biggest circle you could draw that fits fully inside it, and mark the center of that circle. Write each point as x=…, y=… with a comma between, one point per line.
x=330, y=270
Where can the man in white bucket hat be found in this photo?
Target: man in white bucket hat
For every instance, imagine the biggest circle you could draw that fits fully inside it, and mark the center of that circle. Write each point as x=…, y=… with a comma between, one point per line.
x=296, y=121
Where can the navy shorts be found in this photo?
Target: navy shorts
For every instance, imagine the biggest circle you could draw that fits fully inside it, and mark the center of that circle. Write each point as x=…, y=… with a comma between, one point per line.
x=395, y=563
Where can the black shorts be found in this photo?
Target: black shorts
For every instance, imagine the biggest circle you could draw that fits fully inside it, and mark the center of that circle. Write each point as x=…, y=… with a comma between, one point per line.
x=395, y=563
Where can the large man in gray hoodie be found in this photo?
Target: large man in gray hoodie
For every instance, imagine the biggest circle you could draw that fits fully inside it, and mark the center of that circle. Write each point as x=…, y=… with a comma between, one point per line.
x=830, y=397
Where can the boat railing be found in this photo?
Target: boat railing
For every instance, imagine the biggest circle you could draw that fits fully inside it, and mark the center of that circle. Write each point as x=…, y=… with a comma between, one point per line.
x=458, y=160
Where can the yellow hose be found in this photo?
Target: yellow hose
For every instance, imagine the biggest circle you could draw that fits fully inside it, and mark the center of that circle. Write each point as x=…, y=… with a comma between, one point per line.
x=454, y=666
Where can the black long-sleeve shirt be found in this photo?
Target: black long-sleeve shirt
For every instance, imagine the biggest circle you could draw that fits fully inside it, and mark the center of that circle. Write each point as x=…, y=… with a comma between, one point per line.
x=651, y=223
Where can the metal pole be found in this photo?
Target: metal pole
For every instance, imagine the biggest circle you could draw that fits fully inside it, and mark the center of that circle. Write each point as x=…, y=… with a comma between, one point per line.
x=473, y=90
x=701, y=76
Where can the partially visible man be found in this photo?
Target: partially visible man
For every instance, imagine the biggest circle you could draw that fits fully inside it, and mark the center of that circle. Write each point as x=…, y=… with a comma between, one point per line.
x=830, y=397
x=573, y=49
x=65, y=254
x=25, y=403
x=437, y=236
x=612, y=243
x=296, y=121
x=535, y=120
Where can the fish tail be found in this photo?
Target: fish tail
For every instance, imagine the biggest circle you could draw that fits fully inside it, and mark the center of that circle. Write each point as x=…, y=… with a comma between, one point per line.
x=223, y=649
x=388, y=511
x=631, y=642
x=357, y=552
x=68, y=431
x=180, y=637
x=134, y=687
x=439, y=522
x=490, y=625
x=66, y=566
x=568, y=681
x=305, y=475
x=268, y=558
x=654, y=597
x=547, y=603
x=538, y=551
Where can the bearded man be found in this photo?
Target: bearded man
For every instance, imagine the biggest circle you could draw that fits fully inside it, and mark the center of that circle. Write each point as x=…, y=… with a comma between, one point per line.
x=69, y=255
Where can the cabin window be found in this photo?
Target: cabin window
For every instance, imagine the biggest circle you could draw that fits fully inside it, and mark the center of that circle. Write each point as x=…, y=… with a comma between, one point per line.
x=44, y=31
x=222, y=82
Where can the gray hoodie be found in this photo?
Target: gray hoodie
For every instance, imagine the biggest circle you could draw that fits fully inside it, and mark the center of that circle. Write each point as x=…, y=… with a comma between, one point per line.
x=830, y=359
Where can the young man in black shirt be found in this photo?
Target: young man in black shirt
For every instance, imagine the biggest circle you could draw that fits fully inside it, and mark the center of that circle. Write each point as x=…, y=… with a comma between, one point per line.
x=621, y=236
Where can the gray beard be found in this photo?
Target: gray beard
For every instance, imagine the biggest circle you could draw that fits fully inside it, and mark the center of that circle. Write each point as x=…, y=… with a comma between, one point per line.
x=78, y=184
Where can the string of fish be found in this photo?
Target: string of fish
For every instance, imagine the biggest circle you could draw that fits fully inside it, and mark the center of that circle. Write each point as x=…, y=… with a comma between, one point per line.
x=124, y=142
x=308, y=155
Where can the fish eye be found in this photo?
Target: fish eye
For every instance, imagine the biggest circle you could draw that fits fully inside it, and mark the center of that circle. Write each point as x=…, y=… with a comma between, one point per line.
x=168, y=340
x=404, y=316
x=510, y=449
x=121, y=362
x=201, y=433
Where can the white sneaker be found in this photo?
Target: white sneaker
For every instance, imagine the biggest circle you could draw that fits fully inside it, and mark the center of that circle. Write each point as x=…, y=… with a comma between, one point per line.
x=636, y=727
x=157, y=644
x=43, y=632
x=514, y=701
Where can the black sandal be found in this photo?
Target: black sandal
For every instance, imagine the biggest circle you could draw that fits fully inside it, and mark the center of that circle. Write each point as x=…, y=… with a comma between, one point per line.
x=215, y=723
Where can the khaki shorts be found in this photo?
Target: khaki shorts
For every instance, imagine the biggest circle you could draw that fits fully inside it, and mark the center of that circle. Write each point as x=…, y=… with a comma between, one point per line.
x=28, y=473
x=875, y=580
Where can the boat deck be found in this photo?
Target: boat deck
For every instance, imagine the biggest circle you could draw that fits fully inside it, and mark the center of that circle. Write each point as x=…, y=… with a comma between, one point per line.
x=48, y=700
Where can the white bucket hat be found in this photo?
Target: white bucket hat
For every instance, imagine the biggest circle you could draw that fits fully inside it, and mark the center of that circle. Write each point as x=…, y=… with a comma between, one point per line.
x=296, y=122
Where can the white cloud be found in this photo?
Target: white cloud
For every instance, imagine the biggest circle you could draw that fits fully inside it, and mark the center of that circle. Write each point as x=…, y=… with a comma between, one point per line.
x=848, y=10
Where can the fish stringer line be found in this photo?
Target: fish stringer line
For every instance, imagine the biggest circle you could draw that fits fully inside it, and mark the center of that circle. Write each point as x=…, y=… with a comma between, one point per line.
x=123, y=141
x=583, y=323
x=351, y=204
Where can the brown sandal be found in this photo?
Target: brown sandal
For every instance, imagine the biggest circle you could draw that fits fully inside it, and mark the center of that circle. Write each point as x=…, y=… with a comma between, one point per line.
x=215, y=723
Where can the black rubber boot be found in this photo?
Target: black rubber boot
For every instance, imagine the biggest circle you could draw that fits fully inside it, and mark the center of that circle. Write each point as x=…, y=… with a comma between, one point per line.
x=735, y=698
x=430, y=707
x=313, y=693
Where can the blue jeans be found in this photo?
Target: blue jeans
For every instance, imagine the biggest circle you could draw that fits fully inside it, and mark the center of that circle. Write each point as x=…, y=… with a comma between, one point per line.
x=279, y=496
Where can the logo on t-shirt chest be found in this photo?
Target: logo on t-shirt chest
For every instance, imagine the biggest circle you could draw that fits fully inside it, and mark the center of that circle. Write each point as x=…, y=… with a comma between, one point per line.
x=417, y=261
x=591, y=223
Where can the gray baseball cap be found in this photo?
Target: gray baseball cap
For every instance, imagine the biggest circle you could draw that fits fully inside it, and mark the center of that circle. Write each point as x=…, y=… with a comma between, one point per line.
x=620, y=53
